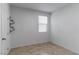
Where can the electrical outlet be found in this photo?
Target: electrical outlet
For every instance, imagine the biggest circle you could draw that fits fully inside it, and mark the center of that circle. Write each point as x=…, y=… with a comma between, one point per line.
x=7, y=48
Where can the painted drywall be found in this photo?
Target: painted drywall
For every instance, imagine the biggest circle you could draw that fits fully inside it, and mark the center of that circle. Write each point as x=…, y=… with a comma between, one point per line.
x=5, y=44
x=0, y=28
x=4, y=28
x=26, y=27
x=65, y=27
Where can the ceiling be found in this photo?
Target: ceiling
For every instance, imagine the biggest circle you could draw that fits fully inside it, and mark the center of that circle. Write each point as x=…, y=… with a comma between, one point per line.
x=45, y=7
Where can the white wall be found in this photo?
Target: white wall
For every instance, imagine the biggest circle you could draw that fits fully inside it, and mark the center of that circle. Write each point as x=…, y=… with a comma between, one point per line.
x=65, y=27
x=4, y=28
x=26, y=27
x=0, y=28
x=5, y=44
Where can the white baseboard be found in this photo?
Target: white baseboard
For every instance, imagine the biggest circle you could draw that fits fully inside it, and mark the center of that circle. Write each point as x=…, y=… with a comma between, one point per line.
x=29, y=44
x=76, y=52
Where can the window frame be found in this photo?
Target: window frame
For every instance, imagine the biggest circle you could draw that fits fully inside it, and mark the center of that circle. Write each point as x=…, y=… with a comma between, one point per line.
x=43, y=24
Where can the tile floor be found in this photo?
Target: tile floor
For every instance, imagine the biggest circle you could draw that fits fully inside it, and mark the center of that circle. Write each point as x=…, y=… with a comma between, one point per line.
x=41, y=49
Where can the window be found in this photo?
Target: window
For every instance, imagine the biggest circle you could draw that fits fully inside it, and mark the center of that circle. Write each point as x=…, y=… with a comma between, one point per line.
x=42, y=23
